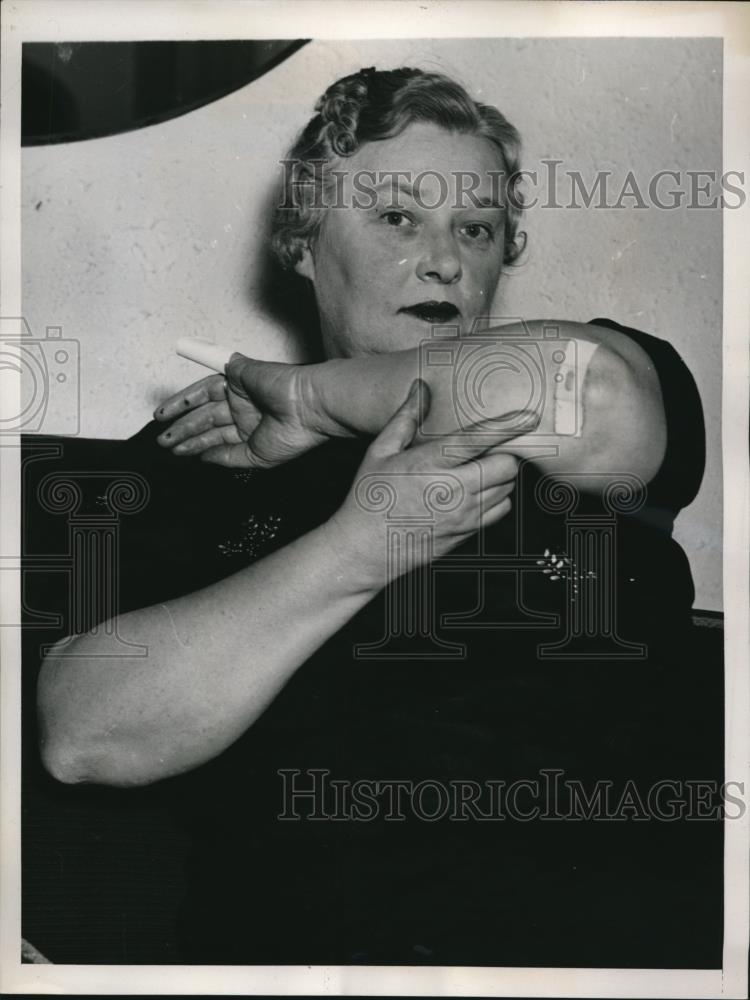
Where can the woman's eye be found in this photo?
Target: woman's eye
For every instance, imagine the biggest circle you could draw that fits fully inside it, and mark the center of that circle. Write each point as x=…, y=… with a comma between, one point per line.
x=477, y=231
x=395, y=219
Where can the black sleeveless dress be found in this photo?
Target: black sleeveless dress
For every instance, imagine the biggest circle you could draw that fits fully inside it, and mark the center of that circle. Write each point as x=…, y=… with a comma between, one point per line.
x=565, y=855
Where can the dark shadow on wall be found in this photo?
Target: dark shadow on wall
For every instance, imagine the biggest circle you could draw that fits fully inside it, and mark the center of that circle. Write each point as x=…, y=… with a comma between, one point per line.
x=290, y=300
x=282, y=294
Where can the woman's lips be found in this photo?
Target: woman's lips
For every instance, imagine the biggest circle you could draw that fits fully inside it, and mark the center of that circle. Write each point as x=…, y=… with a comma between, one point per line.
x=433, y=312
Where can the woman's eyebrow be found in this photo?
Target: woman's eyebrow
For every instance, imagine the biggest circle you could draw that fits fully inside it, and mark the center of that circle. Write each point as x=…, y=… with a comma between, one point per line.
x=482, y=202
x=391, y=188
x=474, y=200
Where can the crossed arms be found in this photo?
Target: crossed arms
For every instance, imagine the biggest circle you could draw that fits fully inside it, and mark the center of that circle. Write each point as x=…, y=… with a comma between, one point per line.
x=218, y=657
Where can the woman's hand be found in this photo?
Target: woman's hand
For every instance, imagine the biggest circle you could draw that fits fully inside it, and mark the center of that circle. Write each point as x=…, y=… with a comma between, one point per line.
x=457, y=484
x=255, y=417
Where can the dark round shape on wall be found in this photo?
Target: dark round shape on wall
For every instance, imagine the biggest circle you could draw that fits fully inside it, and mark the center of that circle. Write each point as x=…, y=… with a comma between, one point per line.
x=85, y=90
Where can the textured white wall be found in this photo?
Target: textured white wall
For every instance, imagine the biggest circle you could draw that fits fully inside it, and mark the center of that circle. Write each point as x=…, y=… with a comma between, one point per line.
x=132, y=241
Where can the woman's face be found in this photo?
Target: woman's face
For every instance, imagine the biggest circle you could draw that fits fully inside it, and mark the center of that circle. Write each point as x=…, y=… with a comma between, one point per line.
x=400, y=253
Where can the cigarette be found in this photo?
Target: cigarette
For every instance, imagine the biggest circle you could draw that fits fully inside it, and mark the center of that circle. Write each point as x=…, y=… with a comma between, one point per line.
x=203, y=352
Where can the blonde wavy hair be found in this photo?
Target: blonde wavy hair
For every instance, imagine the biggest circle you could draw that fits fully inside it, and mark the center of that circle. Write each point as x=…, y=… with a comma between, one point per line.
x=369, y=106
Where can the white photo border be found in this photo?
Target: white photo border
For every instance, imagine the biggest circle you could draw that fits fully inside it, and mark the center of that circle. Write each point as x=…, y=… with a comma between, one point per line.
x=106, y=20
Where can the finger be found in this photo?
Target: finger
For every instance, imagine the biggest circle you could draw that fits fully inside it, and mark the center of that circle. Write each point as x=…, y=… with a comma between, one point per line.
x=497, y=512
x=196, y=422
x=239, y=372
x=401, y=429
x=490, y=497
x=207, y=390
x=233, y=456
x=493, y=469
x=208, y=439
x=267, y=445
x=466, y=443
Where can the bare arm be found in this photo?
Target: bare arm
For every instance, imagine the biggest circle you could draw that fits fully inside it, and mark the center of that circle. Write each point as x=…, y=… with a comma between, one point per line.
x=270, y=412
x=622, y=428
x=218, y=657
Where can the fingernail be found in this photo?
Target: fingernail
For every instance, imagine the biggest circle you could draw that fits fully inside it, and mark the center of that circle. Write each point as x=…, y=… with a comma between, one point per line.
x=167, y=435
x=186, y=402
x=161, y=409
x=414, y=389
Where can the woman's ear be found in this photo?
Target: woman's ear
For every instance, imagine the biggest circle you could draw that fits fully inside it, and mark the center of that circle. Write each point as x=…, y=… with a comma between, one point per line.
x=306, y=265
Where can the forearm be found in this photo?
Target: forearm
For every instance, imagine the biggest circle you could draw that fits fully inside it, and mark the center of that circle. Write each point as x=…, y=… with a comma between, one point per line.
x=618, y=403
x=216, y=659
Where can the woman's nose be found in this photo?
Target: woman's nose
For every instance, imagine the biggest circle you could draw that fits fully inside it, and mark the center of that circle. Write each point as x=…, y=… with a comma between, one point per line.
x=440, y=262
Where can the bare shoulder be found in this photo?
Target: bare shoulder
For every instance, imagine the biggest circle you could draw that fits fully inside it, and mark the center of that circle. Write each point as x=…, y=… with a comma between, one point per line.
x=614, y=341
x=621, y=356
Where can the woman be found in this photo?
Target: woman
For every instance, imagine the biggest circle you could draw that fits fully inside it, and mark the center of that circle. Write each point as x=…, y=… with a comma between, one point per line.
x=292, y=664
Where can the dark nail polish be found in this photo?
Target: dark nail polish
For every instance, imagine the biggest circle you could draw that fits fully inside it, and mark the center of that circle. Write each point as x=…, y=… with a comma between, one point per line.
x=168, y=434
